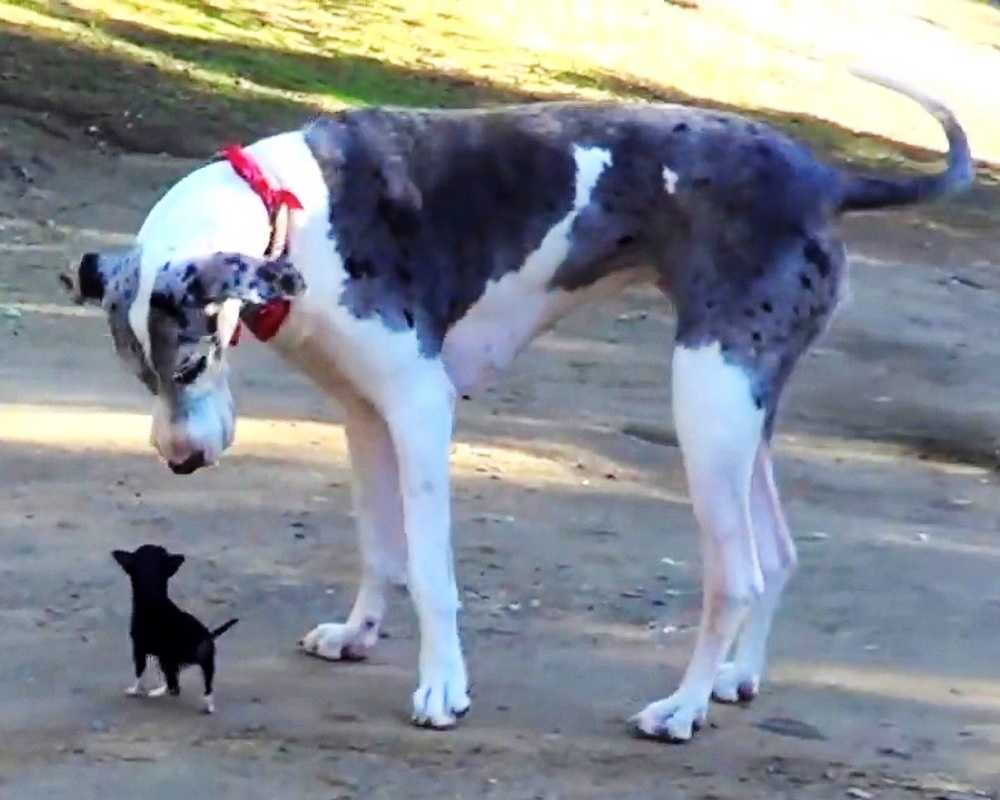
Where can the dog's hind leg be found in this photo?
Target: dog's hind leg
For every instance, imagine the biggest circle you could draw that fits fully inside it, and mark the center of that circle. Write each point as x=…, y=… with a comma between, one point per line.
x=139, y=658
x=739, y=679
x=720, y=427
x=206, y=660
x=378, y=505
x=171, y=677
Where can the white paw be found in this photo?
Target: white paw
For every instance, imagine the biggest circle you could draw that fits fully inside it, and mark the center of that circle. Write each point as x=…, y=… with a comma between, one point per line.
x=736, y=683
x=674, y=719
x=158, y=692
x=207, y=704
x=136, y=690
x=337, y=642
x=442, y=697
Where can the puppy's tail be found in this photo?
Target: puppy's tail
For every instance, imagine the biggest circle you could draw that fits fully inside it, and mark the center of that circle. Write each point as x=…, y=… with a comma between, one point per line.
x=223, y=628
x=863, y=192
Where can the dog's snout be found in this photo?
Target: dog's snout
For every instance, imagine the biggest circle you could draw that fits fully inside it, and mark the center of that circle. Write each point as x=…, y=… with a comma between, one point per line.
x=189, y=464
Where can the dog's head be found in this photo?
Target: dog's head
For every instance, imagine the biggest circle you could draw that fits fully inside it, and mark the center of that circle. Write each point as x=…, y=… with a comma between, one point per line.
x=171, y=326
x=149, y=568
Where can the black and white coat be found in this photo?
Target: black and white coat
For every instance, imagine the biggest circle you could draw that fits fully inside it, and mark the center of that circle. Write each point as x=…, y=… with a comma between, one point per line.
x=432, y=246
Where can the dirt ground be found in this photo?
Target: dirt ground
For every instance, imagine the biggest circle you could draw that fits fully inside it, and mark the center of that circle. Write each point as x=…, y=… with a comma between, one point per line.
x=574, y=539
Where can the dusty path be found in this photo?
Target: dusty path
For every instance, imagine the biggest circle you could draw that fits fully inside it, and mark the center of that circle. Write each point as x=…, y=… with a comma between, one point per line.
x=574, y=540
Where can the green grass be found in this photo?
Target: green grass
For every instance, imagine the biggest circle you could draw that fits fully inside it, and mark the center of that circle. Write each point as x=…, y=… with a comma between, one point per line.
x=183, y=75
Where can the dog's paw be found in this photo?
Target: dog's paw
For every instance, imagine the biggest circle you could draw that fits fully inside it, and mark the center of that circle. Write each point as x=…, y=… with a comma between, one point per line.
x=441, y=698
x=207, y=704
x=159, y=691
x=135, y=690
x=736, y=683
x=675, y=719
x=339, y=642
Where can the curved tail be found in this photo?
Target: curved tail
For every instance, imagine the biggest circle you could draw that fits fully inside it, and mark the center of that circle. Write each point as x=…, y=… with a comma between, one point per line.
x=861, y=192
x=223, y=628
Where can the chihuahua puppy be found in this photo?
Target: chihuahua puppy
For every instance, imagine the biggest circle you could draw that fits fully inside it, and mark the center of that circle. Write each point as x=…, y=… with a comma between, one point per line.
x=160, y=629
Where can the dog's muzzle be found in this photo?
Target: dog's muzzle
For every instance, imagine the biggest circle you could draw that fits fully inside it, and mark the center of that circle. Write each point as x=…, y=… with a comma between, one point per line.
x=188, y=465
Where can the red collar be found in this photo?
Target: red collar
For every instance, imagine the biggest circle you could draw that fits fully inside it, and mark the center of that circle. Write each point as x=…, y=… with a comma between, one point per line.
x=264, y=320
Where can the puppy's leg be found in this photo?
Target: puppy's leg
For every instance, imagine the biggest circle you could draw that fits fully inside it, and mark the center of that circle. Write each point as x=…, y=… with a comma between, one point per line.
x=719, y=428
x=379, y=509
x=171, y=677
x=207, y=664
x=139, y=658
x=420, y=422
x=739, y=679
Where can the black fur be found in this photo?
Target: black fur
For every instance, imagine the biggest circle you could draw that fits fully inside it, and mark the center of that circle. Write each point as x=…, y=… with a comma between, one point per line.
x=159, y=628
x=91, y=280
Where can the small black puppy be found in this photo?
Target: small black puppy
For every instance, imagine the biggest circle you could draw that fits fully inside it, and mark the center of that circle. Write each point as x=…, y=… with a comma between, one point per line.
x=161, y=629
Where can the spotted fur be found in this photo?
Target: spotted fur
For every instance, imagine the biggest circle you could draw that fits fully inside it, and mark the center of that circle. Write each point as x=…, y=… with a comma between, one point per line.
x=432, y=246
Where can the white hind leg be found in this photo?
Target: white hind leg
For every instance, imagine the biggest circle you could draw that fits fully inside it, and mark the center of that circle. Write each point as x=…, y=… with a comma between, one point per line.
x=719, y=428
x=739, y=679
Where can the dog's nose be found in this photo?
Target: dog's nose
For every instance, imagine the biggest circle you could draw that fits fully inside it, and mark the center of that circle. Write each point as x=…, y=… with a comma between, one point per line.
x=189, y=464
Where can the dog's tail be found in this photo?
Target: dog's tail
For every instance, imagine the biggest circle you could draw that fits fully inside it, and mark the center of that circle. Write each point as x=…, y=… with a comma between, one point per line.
x=223, y=628
x=862, y=192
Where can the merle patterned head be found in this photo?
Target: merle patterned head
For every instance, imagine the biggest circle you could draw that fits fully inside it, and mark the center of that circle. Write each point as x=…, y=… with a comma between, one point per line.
x=171, y=326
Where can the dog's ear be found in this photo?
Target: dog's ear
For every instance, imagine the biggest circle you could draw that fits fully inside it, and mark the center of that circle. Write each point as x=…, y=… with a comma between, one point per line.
x=227, y=276
x=124, y=559
x=102, y=276
x=174, y=561
x=87, y=284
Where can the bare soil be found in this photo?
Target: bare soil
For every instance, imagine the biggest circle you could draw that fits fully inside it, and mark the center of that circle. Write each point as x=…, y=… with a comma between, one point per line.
x=574, y=539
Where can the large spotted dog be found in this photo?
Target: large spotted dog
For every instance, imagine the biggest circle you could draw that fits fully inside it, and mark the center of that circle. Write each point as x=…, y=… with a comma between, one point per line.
x=431, y=247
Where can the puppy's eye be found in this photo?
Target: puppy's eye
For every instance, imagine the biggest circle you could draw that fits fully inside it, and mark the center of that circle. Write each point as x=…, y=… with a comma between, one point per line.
x=190, y=370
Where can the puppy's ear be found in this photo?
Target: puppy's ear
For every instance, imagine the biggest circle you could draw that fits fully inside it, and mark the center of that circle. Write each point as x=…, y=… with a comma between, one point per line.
x=124, y=559
x=174, y=562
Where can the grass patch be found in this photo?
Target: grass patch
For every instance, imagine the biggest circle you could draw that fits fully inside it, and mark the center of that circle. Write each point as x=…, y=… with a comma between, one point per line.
x=183, y=75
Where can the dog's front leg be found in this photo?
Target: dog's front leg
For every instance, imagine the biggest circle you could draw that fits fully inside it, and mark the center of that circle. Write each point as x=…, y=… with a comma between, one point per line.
x=420, y=422
x=378, y=506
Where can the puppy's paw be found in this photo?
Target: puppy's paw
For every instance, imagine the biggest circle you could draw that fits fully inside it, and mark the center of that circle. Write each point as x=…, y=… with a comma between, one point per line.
x=675, y=719
x=136, y=690
x=207, y=704
x=340, y=642
x=159, y=691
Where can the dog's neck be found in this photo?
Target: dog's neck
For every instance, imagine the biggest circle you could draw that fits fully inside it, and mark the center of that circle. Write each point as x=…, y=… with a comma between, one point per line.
x=150, y=600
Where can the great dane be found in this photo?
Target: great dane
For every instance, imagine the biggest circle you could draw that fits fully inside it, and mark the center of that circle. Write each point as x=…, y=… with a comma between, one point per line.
x=416, y=252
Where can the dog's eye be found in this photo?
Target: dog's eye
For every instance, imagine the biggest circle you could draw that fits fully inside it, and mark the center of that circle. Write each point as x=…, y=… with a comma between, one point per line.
x=190, y=370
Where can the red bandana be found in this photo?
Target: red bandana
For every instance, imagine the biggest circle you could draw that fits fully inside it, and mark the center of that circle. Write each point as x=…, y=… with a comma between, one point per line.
x=263, y=321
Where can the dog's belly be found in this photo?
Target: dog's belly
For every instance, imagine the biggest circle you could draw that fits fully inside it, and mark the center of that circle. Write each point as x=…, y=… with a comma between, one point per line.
x=508, y=316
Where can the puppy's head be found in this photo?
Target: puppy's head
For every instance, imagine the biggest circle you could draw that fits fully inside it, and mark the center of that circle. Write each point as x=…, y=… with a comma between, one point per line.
x=171, y=325
x=149, y=568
